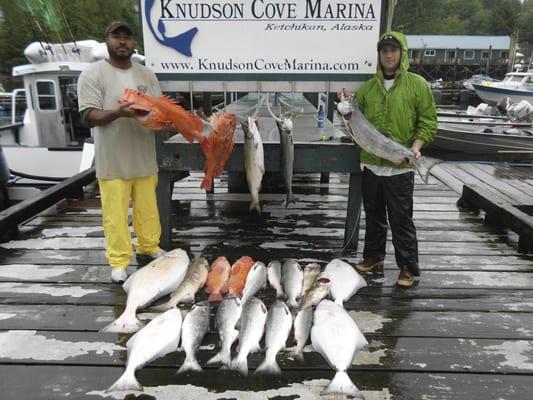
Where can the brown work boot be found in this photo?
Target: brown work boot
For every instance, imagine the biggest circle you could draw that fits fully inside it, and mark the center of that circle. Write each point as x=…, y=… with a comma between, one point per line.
x=369, y=264
x=405, y=278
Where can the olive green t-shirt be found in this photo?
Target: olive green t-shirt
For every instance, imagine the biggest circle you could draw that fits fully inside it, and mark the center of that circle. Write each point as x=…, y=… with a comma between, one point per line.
x=123, y=148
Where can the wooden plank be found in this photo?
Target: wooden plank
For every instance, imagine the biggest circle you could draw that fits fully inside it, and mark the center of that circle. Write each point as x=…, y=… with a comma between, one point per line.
x=410, y=353
x=507, y=189
x=506, y=174
x=90, y=382
x=502, y=213
x=18, y=213
x=402, y=323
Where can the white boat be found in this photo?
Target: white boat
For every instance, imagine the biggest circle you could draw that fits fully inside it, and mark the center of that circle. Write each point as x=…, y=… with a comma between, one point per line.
x=517, y=86
x=477, y=78
x=50, y=141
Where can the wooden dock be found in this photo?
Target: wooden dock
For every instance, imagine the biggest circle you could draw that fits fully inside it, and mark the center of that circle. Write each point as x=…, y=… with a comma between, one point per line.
x=465, y=331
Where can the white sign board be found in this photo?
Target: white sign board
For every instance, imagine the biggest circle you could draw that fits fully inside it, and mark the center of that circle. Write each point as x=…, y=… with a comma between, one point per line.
x=327, y=39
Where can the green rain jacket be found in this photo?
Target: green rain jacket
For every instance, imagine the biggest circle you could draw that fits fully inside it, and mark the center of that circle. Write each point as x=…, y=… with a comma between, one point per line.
x=405, y=112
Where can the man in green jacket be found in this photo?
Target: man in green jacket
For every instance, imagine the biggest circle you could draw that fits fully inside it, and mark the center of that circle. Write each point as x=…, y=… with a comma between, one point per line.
x=400, y=105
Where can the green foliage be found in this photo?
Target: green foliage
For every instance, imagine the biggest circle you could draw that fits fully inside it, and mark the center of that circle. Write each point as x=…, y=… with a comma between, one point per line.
x=58, y=21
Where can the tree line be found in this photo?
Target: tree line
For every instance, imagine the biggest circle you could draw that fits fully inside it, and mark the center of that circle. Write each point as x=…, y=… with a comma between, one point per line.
x=22, y=21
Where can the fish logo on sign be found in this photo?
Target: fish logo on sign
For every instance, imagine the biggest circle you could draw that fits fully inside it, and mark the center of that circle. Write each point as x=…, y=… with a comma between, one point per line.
x=181, y=43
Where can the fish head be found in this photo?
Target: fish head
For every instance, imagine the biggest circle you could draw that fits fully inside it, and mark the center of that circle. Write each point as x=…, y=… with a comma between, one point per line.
x=313, y=267
x=141, y=103
x=285, y=123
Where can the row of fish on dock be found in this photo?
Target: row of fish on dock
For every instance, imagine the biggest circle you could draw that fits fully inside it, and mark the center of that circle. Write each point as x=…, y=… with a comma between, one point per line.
x=241, y=315
x=163, y=113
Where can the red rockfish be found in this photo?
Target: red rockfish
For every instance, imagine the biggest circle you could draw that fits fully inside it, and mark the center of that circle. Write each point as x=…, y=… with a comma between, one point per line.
x=239, y=273
x=217, y=280
x=218, y=147
x=160, y=113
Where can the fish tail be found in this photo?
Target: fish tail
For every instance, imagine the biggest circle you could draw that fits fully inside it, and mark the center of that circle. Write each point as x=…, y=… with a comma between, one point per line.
x=127, y=381
x=290, y=199
x=190, y=364
x=255, y=205
x=424, y=165
x=207, y=183
x=222, y=357
x=216, y=296
x=297, y=353
x=240, y=364
x=341, y=384
x=126, y=323
x=268, y=367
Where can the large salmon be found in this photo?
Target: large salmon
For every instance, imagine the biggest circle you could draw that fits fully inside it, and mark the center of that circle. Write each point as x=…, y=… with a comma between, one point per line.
x=375, y=142
x=254, y=160
x=159, y=113
x=287, y=155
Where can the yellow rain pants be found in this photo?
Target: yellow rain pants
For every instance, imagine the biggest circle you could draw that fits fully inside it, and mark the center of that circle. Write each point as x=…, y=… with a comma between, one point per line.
x=115, y=196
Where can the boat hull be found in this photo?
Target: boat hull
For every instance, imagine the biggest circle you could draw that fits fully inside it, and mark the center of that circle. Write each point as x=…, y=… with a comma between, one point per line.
x=493, y=94
x=462, y=140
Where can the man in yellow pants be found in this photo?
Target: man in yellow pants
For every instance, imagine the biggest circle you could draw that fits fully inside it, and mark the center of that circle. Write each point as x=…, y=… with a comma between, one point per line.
x=125, y=162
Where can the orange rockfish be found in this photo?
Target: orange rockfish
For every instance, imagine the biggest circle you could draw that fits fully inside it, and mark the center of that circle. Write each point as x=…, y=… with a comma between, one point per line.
x=217, y=280
x=161, y=113
x=218, y=147
x=239, y=273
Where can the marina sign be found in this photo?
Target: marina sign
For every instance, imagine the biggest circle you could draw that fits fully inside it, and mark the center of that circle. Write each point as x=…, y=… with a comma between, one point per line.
x=261, y=39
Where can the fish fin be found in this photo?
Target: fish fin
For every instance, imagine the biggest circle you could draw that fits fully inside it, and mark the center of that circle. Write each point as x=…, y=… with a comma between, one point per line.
x=240, y=365
x=341, y=384
x=189, y=365
x=255, y=348
x=124, y=324
x=170, y=100
x=215, y=297
x=222, y=357
x=290, y=199
x=268, y=367
x=255, y=206
x=127, y=381
x=225, y=287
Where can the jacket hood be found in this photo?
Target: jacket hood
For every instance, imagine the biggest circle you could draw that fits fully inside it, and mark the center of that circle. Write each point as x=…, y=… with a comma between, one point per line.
x=404, y=58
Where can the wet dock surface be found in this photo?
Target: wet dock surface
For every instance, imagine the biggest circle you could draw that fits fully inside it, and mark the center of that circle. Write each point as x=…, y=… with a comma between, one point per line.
x=465, y=331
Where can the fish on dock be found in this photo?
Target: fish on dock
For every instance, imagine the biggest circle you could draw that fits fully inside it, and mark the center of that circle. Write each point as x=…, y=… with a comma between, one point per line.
x=254, y=314
x=155, y=280
x=316, y=293
x=292, y=278
x=195, y=279
x=254, y=160
x=218, y=279
x=193, y=330
x=159, y=113
x=302, y=328
x=239, y=273
x=337, y=338
x=255, y=281
x=274, y=278
x=345, y=280
x=218, y=147
x=285, y=127
x=311, y=271
x=278, y=327
x=158, y=338
x=228, y=314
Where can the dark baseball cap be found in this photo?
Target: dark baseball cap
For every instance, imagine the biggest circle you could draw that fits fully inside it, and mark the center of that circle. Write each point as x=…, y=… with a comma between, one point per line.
x=389, y=40
x=113, y=26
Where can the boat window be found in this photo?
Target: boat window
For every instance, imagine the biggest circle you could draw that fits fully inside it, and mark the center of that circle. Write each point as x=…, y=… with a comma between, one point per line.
x=46, y=95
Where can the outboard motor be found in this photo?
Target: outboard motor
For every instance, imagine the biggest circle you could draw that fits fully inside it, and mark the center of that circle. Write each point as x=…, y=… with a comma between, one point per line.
x=521, y=111
x=503, y=105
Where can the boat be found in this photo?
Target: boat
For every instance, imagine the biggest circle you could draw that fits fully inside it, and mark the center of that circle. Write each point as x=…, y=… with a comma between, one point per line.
x=477, y=78
x=51, y=142
x=517, y=86
x=484, y=138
